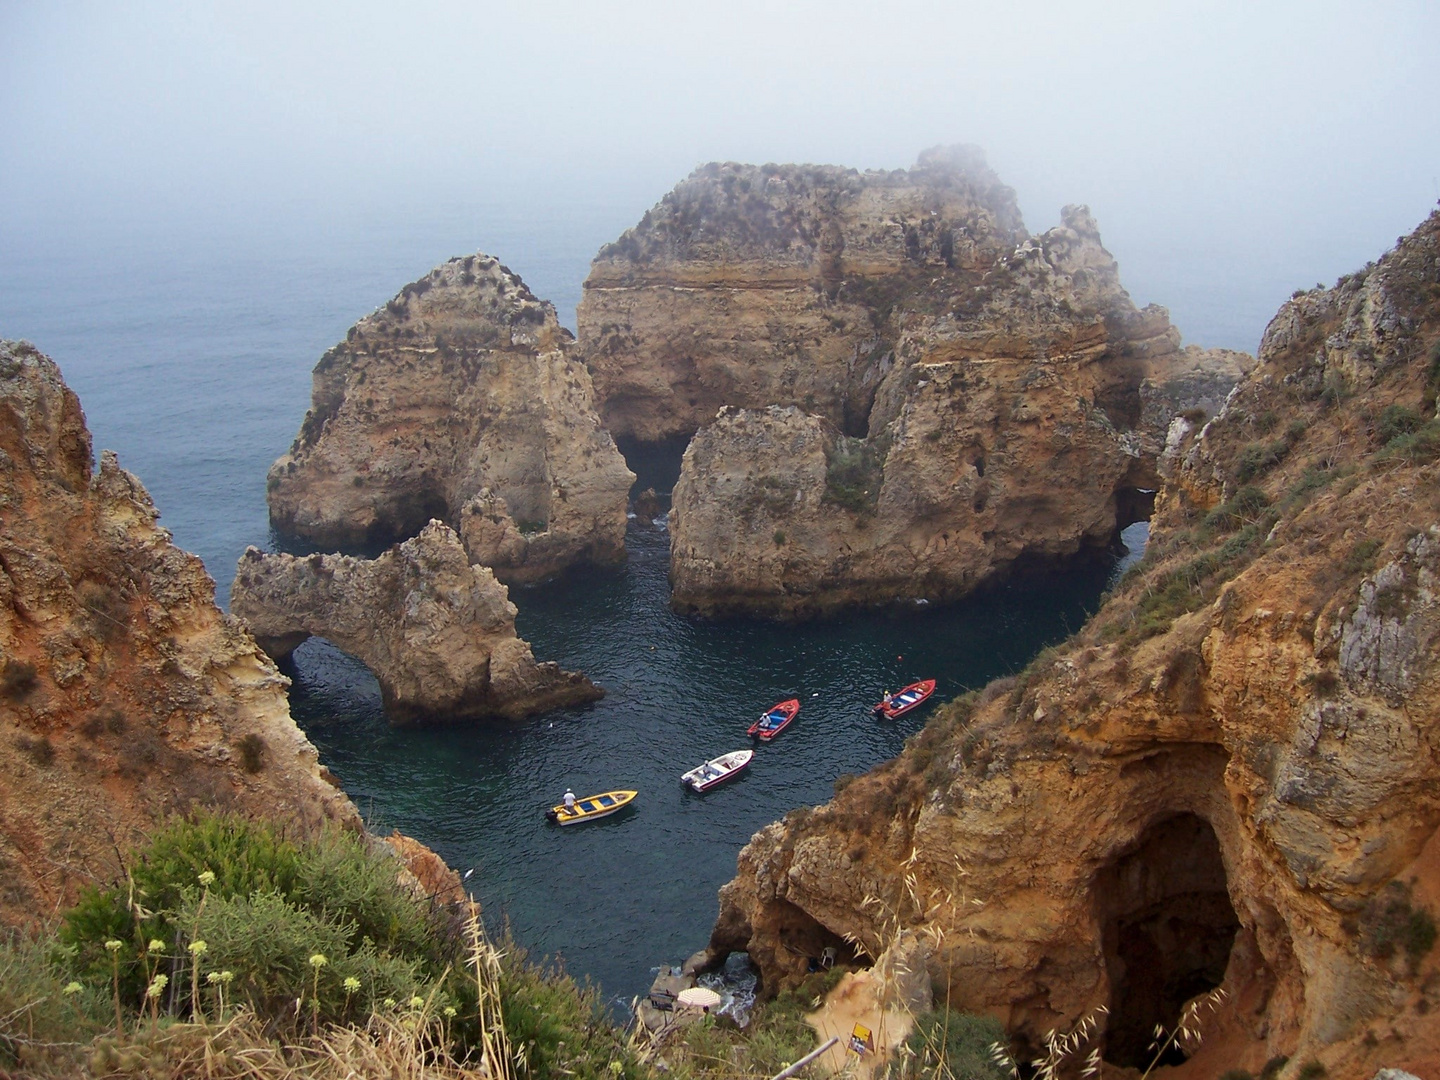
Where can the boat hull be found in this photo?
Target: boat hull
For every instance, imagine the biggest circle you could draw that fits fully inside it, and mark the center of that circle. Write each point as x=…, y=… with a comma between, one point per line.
x=591, y=808
x=775, y=721
x=717, y=770
x=912, y=697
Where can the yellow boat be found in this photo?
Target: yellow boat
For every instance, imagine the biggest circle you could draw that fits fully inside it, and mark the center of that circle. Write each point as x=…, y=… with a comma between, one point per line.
x=591, y=807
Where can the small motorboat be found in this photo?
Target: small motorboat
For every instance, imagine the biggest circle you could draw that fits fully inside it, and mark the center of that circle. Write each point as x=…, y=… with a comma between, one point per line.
x=899, y=704
x=717, y=770
x=774, y=721
x=591, y=807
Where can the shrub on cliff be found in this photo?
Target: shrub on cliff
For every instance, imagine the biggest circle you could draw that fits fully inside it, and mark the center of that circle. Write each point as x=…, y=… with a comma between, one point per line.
x=261, y=898
x=949, y=1045
x=227, y=940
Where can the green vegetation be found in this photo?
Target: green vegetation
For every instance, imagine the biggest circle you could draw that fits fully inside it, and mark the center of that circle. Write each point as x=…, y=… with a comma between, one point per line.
x=1416, y=447
x=948, y=1045
x=854, y=470
x=1361, y=558
x=229, y=942
x=715, y=1049
x=1391, y=923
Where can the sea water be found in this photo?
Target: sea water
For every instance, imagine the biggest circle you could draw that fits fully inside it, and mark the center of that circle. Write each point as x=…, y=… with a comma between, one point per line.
x=192, y=355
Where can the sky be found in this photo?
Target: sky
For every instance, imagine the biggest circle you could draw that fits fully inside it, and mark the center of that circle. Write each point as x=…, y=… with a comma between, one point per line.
x=1230, y=151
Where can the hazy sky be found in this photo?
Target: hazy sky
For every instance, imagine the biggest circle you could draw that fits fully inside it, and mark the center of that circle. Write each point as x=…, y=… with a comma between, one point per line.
x=1278, y=142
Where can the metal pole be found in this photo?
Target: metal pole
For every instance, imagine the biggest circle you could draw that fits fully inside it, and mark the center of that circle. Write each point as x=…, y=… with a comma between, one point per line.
x=793, y=1069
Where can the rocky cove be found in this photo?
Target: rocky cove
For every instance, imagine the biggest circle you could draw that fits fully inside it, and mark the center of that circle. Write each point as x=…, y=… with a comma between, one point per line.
x=1223, y=776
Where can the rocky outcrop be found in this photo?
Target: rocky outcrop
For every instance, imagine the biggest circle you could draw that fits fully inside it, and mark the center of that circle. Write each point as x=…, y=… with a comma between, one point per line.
x=438, y=633
x=755, y=286
x=126, y=695
x=1227, y=779
x=459, y=399
x=1009, y=428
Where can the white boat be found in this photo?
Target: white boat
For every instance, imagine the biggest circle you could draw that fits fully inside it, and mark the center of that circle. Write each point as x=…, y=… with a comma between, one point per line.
x=717, y=770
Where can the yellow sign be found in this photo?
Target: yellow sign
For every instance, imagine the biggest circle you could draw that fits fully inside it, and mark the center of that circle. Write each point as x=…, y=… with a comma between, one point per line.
x=860, y=1040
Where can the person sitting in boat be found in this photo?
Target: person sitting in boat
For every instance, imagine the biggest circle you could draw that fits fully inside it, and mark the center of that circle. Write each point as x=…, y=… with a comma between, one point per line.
x=569, y=801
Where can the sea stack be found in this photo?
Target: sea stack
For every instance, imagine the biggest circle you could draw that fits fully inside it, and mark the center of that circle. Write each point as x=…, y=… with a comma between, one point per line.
x=459, y=400
x=438, y=632
x=126, y=695
x=1226, y=783
x=899, y=394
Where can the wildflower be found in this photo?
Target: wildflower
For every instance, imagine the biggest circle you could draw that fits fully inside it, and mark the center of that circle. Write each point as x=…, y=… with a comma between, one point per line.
x=449, y=1012
x=416, y=1001
x=389, y=1003
x=156, y=945
x=197, y=948
x=72, y=988
x=213, y=978
x=157, y=986
x=112, y=945
x=318, y=960
x=207, y=878
x=352, y=984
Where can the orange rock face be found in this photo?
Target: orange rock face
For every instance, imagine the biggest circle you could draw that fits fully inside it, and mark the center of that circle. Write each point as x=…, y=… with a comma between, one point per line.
x=1019, y=418
x=125, y=694
x=458, y=400
x=1228, y=779
x=438, y=633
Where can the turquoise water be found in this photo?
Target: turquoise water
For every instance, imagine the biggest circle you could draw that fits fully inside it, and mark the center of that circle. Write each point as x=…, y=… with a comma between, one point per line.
x=192, y=357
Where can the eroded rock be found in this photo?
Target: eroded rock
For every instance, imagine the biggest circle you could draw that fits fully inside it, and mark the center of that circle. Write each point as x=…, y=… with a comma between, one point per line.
x=1020, y=416
x=1227, y=780
x=438, y=632
x=126, y=695
x=459, y=399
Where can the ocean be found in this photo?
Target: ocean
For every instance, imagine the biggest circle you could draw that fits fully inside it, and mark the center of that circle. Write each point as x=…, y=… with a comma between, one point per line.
x=191, y=351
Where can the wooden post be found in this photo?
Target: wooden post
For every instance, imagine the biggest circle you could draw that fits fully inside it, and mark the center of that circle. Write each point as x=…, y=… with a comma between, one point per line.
x=793, y=1069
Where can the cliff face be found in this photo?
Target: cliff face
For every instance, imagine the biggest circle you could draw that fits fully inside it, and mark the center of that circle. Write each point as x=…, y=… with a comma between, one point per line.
x=438, y=633
x=1228, y=778
x=756, y=286
x=460, y=400
x=125, y=693
x=1021, y=411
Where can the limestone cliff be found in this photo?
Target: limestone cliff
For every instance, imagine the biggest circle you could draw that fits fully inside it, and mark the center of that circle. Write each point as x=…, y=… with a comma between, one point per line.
x=1018, y=418
x=125, y=693
x=438, y=633
x=1228, y=778
x=459, y=399
x=756, y=286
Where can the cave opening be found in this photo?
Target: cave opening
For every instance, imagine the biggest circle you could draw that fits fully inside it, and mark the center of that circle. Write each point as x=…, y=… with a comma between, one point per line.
x=656, y=465
x=1167, y=928
x=1133, y=504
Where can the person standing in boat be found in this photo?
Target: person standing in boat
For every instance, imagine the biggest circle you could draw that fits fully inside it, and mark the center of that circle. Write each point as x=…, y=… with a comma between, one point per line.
x=569, y=801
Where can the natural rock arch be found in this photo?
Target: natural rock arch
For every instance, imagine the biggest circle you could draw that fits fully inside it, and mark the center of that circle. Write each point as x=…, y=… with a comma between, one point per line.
x=438, y=633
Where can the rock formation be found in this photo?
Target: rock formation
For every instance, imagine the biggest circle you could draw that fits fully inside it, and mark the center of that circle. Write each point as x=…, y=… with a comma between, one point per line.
x=438, y=633
x=756, y=286
x=1017, y=418
x=1228, y=779
x=125, y=694
x=458, y=399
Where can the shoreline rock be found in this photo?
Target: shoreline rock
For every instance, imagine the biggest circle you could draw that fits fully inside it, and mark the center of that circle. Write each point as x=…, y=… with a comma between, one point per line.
x=459, y=399
x=1226, y=779
x=1021, y=416
x=126, y=695
x=438, y=632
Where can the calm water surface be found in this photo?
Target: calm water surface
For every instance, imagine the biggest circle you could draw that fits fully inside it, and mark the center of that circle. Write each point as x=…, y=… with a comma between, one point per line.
x=192, y=359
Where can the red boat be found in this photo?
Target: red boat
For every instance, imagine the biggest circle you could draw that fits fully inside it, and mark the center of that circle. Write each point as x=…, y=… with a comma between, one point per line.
x=911, y=697
x=776, y=720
